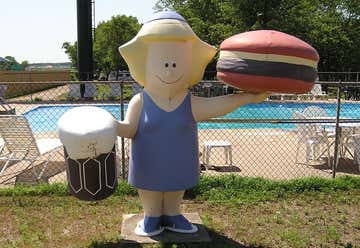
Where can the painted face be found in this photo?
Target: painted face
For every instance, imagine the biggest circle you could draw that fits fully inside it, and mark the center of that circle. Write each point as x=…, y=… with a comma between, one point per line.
x=168, y=66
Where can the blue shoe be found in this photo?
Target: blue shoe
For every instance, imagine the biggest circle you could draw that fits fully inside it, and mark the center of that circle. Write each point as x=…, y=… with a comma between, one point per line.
x=178, y=223
x=149, y=226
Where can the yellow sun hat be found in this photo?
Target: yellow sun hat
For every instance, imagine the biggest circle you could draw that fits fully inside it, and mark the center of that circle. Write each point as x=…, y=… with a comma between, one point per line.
x=165, y=26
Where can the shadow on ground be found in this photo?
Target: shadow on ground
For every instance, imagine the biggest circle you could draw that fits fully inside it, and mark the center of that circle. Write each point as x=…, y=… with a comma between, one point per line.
x=221, y=168
x=27, y=176
x=24, y=173
x=345, y=165
x=217, y=241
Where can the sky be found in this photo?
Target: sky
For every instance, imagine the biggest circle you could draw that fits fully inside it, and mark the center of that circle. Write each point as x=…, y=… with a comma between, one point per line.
x=34, y=30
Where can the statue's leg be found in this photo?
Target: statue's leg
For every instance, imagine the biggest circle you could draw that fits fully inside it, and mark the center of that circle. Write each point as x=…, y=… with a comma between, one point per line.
x=172, y=218
x=152, y=202
x=172, y=202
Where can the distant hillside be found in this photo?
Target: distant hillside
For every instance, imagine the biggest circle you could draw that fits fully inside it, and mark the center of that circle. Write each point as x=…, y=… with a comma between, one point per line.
x=47, y=66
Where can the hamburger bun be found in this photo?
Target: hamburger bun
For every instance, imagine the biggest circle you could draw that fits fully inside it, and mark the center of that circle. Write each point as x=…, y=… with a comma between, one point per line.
x=267, y=60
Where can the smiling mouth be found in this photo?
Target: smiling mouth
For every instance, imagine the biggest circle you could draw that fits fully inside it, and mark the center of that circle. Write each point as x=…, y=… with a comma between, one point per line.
x=166, y=82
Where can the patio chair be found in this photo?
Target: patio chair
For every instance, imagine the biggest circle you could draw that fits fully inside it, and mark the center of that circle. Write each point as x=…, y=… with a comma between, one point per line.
x=318, y=112
x=210, y=144
x=325, y=130
x=21, y=145
x=309, y=135
x=314, y=111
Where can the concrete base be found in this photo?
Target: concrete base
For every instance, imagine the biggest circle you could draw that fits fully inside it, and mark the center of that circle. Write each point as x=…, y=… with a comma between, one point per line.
x=130, y=221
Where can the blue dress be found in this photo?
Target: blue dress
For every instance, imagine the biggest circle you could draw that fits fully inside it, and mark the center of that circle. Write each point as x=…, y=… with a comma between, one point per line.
x=164, y=150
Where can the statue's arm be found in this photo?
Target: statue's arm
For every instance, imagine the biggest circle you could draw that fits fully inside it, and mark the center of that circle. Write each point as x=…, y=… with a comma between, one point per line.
x=206, y=108
x=127, y=128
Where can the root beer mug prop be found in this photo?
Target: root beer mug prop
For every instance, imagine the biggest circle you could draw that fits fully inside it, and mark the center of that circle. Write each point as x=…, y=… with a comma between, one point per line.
x=88, y=135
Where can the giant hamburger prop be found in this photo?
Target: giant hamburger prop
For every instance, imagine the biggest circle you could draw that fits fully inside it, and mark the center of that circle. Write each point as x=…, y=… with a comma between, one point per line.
x=267, y=60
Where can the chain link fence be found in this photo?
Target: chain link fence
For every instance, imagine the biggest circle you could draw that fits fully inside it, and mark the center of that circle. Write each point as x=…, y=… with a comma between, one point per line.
x=287, y=136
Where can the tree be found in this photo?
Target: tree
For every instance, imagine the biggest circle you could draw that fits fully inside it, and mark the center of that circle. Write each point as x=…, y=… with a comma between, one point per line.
x=5, y=66
x=331, y=26
x=13, y=65
x=109, y=35
x=71, y=51
x=24, y=64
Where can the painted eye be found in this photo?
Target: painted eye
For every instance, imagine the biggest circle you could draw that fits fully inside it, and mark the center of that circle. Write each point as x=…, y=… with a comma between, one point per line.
x=166, y=65
x=174, y=64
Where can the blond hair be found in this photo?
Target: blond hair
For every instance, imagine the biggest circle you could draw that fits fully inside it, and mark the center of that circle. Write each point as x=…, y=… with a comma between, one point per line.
x=135, y=51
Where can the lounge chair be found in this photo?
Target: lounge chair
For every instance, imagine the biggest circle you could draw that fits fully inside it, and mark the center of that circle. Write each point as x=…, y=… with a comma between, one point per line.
x=5, y=108
x=75, y=92
x=283, y=97
x=314, y=111
x=20, y=144
x=316, y=92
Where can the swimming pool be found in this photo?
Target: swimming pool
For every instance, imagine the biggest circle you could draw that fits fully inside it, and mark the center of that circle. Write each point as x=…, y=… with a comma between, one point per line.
x=45, y=118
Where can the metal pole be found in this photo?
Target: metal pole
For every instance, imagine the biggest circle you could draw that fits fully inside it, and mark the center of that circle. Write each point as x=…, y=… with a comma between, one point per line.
x=337, y=131
x=84, y=42
x=93, y=19
x=122, y=138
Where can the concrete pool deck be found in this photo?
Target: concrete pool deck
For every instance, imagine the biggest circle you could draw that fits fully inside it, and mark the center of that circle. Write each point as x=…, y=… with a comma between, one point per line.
x=268, y=153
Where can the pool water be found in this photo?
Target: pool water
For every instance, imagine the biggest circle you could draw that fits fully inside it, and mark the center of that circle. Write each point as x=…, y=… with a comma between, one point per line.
x=45, y=118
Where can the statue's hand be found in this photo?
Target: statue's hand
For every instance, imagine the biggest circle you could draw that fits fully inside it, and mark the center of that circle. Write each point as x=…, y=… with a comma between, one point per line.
x=259, y=97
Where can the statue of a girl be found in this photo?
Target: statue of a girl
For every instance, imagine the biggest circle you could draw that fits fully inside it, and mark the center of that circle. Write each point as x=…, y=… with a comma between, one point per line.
x=167, y=58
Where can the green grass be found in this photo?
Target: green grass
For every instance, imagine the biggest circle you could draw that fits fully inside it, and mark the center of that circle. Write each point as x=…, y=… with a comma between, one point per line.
x=237, y=212
x=248, y=189
x=221, y=188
